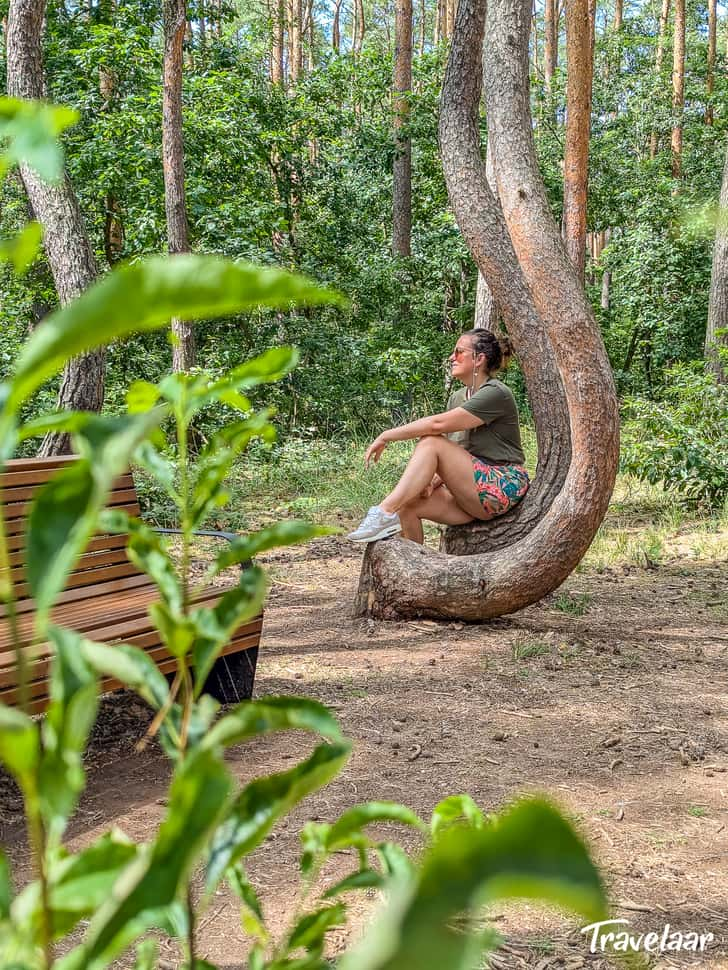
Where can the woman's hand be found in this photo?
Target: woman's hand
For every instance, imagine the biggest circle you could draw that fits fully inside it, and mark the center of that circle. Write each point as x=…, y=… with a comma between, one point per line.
x=375, y=449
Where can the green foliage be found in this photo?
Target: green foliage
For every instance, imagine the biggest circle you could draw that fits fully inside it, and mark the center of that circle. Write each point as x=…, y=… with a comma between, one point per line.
x=682, y=439
x=99, y=903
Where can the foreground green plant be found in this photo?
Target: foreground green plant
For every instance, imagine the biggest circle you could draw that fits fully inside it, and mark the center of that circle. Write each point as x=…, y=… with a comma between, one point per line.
x=81, y=911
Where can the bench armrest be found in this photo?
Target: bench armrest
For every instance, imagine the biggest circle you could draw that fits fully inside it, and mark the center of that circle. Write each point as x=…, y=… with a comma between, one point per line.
x=228, y=536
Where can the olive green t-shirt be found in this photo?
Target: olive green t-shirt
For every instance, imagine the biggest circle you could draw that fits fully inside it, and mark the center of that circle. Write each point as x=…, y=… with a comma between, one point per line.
x=498, y=439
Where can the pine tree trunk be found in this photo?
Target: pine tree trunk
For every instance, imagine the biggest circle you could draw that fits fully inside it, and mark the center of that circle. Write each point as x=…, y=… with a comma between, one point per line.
x=618, y=15
x=550, y=42
x=174, y=11
x=70, y=256
x=486, y=309
x=716, y=335
x=295, y=50
x=277, y=17
x=578, y=121
x=710, y=75
x=659, y=57
x=678, y=89
x=518, y=248
x=336, y=28
x=402, y=172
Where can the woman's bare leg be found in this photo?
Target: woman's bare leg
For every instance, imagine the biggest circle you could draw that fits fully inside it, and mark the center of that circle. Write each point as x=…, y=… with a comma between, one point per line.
x=454, y=466
x=438, y=507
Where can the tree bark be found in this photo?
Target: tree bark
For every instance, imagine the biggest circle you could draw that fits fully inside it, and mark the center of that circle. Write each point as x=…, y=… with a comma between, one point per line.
x=550, y=47
x=336, y=28
x=295, y=47
x=532, y=550
x=579, y=64
x=402, y=170
x=174, y=11
x=277, y=17
x=486, y=309
x=678, y=89
x=659, y=57
x=712, y=45
x=359, y=26
x=618, y=15
x=716, y=335
x=70, y=256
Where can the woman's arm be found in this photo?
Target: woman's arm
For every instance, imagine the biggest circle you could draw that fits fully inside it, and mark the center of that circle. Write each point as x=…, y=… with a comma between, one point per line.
x=457, y=419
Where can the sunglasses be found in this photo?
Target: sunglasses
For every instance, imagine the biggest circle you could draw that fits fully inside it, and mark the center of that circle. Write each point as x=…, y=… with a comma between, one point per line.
x=459, y=351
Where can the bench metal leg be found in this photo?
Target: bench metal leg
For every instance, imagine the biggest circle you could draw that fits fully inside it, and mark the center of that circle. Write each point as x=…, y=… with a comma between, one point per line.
x=232, y=676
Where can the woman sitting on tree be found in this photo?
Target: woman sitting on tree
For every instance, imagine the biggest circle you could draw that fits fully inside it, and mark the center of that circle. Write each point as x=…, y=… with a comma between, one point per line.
x=476, y=472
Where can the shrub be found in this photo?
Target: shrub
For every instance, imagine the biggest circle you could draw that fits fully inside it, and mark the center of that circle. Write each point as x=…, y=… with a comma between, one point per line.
x=681, y=440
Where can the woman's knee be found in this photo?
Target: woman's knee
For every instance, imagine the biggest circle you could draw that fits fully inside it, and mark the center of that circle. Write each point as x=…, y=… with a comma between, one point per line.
x=429, y=441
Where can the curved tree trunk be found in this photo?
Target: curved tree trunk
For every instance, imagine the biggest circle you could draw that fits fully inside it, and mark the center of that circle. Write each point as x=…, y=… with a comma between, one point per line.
x=532, y=550
x=66, y=243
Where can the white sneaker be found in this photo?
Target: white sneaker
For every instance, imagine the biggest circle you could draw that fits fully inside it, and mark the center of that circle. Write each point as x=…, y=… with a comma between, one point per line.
x=376, y=524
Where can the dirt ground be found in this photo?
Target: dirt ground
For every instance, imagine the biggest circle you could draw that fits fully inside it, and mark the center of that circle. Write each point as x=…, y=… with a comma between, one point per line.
x=620, y=715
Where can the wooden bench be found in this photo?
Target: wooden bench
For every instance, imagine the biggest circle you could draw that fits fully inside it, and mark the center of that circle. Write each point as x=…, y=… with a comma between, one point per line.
x=106, y=597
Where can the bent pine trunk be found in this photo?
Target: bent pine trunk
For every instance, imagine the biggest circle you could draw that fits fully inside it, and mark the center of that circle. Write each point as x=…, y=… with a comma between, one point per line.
x=517, y=247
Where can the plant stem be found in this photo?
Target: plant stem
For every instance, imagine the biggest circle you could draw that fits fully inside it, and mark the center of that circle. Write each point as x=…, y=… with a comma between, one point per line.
x=37, y=840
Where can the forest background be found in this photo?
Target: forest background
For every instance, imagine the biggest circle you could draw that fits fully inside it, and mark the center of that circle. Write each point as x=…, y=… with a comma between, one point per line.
x=290, y=140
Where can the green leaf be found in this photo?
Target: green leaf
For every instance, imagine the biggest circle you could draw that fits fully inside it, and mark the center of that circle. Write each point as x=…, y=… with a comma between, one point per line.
x=131, y=666
x=22, y=249
x=364, y=879
x=144, y=296
x=78, y=884
x=265, y=369
x=216, y=460
x=147, y=955
x=252, y=718
x=310, y=930
x=65, y=731
x=261, y=803
x=148, y=552
x=530, y=852
x=251, y=912
x=455, y=809
x=197, y=798
x=19, y=745
x=31, y=129
x=6, y=886
x=68, y=421
x=65, y=511
x=214, y=626
x=286, y=533
x=395, y=861
x=355, y=819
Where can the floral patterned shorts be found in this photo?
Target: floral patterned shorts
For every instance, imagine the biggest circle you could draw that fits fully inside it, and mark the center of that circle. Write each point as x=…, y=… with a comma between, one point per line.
x=500, y=486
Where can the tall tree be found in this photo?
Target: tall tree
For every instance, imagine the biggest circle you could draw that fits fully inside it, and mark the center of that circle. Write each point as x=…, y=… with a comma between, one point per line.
x=336, y=28
x=530, y=552
x=712, y=45
x=277, y=17
x=174, y=16
x=70, y=256
x=678, y=88
x=402, y=172
x=579, y=65
x=659, y=56
x=716, y=335
x=295, y=45
x=551, y=41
